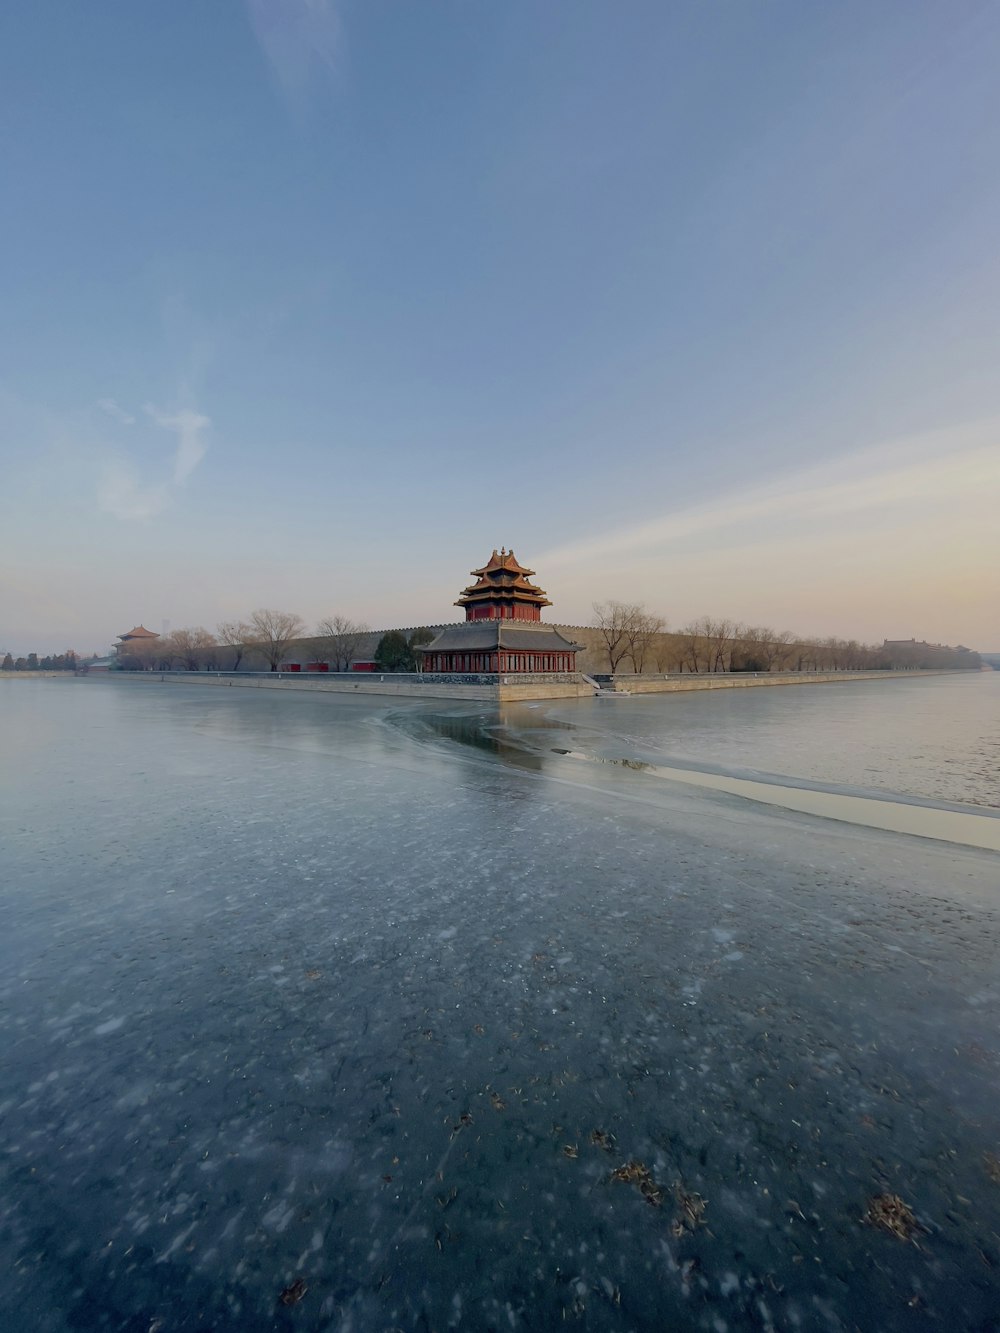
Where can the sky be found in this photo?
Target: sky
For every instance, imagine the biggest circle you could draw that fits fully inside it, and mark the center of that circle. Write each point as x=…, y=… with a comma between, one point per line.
x=309, y=304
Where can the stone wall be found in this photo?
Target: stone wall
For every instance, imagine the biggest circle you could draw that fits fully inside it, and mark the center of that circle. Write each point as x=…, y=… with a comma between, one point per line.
x=495, y=689
x=360, y=684
x=483, y=689
x=554, y=690
x=665, y=652
x=668, y=652
x=593, y=658
x=733, y=680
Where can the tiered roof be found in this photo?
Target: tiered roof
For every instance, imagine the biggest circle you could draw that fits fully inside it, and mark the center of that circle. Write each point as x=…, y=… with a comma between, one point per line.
x=502, y=581
x=140, y=632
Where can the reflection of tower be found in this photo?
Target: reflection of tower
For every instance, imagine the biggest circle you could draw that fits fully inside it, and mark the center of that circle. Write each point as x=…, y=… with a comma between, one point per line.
x=503, y=629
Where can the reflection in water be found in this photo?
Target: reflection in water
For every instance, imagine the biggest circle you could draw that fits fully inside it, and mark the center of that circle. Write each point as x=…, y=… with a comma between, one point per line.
x=484, y=731
x=637, y=765
x=512, y=740
x=917, y=816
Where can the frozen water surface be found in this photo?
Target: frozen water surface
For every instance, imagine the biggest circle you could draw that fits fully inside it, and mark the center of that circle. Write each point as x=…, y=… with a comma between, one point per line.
x=936, y=737
x=394, y=1010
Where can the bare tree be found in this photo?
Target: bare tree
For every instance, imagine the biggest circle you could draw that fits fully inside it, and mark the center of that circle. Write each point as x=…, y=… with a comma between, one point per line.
x=272, y=631
x=337, y=640
x=235, y=634
x=145, y=655
x=762, y=648
x=697, y=644
x=670, y=650
x=193, y=648
x=640, y=632
x=614, y=620
x=833, y=650
x=807, y=654
x=777, y=649
x=720, y=634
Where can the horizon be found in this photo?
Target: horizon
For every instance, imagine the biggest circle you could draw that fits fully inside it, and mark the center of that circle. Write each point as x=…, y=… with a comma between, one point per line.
x=679, y=631
x=694, y=308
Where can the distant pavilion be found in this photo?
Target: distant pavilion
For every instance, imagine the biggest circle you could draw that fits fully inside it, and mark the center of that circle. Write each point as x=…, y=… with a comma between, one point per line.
x=135, y=638
x=503, y=630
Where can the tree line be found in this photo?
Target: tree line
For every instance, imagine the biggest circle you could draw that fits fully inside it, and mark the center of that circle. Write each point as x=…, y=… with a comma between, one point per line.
x=632, y=638
x=267, y=636
x=638, y=640
x=67, y=661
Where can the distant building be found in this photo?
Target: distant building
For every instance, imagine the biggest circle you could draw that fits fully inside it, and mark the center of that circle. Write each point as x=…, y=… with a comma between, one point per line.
x=919, y=655
x=139, y=637
x=100, y=666
x=503, y=632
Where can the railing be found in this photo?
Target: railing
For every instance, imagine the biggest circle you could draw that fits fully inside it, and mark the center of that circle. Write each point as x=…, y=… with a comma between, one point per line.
x=625, y=676
x=392, y=677
x=523, y=677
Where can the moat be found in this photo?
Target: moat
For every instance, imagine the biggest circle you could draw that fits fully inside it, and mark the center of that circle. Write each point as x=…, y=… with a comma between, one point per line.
x=334, y=1013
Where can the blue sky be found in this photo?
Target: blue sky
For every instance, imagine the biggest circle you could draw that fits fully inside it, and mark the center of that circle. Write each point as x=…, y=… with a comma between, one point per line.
x=310, y=304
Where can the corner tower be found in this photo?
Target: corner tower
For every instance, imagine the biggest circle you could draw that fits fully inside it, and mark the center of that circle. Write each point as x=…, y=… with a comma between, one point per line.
x=503, y=591
x=503, y=632
x=138, y=637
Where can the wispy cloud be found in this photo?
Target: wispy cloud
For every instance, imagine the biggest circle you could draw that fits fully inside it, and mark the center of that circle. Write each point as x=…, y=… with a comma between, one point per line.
x=190, y=446
x=888, y=541
x=113, y=410
x=300, y=38
x=124, y=493
x=886, y=482
x=121, y=494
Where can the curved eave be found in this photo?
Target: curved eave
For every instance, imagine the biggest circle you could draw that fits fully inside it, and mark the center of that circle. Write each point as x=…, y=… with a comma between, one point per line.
x=512, y=600
x=480, y=593
x=502, y=565
x=504, y=579
x=504, y=590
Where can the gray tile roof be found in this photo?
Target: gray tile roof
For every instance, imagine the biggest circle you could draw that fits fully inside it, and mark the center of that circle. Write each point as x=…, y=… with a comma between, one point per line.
x=478, y=636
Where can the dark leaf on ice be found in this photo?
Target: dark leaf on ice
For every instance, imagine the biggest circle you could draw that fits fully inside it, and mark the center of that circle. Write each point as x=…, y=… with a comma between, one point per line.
x=889, y=1212
x=294, y=1292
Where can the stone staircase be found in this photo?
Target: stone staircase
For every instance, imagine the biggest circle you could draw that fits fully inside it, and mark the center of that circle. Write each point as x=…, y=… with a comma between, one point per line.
x=605, y=689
